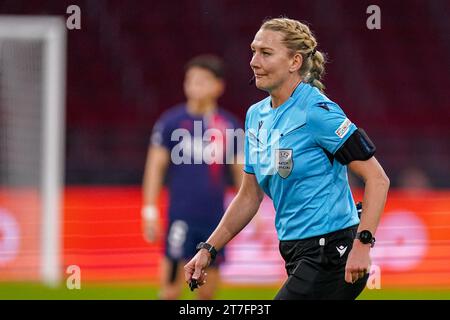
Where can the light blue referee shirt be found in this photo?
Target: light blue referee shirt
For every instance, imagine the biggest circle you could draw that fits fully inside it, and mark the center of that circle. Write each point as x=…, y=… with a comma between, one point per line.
x=289, y=149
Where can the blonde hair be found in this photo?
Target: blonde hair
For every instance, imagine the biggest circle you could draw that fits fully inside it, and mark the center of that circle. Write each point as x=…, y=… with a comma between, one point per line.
x=299, y=38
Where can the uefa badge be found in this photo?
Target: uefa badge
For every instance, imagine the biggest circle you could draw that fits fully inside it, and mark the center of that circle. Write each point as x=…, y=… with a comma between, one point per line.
x=284, y=162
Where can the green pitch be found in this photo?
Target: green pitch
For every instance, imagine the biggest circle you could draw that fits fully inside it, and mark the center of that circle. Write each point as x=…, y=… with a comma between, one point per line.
x=149, y=292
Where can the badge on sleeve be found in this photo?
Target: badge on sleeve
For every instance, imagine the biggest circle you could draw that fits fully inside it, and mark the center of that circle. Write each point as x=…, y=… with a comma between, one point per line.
x=343, y=128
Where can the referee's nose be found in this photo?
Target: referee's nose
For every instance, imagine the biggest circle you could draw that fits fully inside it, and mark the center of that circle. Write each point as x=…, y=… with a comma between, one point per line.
x=254, y=62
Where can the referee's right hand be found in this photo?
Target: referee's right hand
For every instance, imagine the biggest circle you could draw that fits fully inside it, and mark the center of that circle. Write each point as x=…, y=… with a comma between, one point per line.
x=195, y=269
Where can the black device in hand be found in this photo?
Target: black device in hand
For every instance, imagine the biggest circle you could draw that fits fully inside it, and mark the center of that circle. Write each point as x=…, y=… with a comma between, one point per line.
x=193, y=284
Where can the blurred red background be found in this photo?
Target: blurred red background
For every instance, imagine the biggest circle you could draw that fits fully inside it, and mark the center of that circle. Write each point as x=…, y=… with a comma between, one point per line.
x=102, y=235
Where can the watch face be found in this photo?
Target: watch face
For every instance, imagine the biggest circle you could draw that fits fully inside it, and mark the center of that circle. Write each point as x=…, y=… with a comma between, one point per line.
x=365, y=236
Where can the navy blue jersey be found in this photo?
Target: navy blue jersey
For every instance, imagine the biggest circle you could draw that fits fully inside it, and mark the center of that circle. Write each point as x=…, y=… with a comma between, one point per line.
x=196, y=184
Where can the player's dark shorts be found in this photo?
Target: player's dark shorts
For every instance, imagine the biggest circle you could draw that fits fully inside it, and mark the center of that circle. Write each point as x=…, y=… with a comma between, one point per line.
x=183, y=237
x=318, y=271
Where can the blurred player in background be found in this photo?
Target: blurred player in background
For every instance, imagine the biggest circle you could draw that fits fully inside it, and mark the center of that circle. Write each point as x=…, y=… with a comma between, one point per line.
x=196, y=189
x=323, y=242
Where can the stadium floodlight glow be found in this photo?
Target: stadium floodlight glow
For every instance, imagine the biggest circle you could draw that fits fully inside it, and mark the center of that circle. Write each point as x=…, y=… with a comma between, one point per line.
x=49, y=32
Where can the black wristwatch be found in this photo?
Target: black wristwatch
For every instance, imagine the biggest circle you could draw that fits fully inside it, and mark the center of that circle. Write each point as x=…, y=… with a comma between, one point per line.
x=212, y=251
x=366, y=237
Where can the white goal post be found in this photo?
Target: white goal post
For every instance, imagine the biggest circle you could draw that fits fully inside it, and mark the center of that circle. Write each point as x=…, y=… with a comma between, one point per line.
x=50, y=33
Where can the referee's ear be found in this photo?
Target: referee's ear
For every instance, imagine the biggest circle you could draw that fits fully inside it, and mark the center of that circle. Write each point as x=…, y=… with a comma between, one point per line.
x=296, y=62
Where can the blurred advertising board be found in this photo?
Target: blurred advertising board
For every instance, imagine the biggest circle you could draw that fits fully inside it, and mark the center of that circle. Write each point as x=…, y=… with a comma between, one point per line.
x=102, y=235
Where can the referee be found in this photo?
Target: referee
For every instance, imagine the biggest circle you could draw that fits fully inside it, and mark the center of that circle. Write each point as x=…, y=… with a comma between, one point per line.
x=298, y=146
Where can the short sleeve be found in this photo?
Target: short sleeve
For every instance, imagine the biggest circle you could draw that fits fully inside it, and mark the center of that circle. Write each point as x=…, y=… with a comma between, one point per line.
x=329, y=125
x=161, y=133
x=248, y=168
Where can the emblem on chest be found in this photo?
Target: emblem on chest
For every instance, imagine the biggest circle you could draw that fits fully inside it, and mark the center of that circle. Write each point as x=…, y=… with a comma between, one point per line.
x=284, y=162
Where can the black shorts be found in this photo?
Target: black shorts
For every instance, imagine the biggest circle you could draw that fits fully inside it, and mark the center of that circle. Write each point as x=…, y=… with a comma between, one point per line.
x=317, y=271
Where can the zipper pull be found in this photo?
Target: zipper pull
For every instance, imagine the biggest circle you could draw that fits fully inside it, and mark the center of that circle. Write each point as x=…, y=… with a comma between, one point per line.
x=323, y=258
x=322, y=242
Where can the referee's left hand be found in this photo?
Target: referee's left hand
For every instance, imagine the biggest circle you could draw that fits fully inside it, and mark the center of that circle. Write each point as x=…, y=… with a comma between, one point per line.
x=358, y=262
